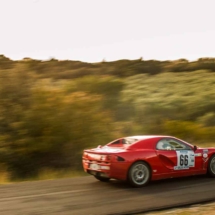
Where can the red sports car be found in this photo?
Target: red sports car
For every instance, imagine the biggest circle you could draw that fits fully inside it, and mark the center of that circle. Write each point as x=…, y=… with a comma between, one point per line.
x=140, y=159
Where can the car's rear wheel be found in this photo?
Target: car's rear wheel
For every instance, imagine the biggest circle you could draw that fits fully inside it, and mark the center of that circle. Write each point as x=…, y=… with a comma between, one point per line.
x=100, y=178
x=139, y=174
x=211, y=166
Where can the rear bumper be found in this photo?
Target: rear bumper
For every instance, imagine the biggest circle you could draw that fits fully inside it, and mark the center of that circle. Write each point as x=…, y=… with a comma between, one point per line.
x=116, y=170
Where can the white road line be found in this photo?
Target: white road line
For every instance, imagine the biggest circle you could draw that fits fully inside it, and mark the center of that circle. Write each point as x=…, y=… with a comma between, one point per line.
x=40, y=195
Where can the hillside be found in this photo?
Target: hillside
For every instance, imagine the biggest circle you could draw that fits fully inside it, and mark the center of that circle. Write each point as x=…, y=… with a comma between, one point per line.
x=51, y=110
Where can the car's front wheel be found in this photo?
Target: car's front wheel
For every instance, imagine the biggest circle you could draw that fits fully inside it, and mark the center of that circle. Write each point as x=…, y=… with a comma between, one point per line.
x=100, y=178
x=139, y=174
x=211, y=166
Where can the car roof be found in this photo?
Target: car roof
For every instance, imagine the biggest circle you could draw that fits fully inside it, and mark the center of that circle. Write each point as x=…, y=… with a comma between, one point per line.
x=144, y=137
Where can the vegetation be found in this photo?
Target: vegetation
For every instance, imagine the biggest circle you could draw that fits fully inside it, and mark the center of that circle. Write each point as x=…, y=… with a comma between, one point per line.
x=51, y=110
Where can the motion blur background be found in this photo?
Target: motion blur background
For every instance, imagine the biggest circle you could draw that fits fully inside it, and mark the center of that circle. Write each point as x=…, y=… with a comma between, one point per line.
x=77, y=74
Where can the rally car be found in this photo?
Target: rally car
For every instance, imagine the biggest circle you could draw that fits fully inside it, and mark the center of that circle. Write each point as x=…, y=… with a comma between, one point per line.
x=139, y=159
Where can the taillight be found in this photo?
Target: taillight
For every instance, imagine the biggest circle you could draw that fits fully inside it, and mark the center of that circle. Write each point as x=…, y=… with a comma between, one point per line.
x=85, y=155
x=108, y=157
x=105, y=158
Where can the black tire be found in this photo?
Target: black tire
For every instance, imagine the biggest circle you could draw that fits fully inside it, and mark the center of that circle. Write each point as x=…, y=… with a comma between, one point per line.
x=211, y=166
x=139, y=174
x=100, y=178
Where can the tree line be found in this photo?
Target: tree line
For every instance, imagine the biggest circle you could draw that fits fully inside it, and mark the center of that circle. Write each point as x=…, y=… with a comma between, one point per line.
x=68, y=69
x=51, y=110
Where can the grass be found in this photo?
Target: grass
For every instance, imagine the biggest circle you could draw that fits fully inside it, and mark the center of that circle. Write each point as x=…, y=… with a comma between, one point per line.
x=45, y=174
x=53, y=174
x=4, y=177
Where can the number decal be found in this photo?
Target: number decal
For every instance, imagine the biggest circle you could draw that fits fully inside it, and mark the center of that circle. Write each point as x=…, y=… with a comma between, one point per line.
x=185, y=159
x=181, y=160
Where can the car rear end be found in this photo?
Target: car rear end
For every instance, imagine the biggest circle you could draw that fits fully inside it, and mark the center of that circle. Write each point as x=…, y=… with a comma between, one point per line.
x=96, y=164
x=103, y=164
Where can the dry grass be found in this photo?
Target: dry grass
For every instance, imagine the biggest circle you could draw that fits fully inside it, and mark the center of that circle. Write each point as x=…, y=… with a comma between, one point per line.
x=53, y=174
x=4, y=177
x=46, y=174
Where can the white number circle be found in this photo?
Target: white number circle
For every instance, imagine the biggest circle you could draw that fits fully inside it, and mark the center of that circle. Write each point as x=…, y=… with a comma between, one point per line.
x=205, y=155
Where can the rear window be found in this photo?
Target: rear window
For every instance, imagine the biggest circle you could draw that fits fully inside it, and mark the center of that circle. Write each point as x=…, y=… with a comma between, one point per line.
x=129, y=140
x=123, y=141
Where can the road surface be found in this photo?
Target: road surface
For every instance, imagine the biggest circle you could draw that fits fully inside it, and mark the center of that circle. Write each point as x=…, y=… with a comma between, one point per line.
x=87, y=196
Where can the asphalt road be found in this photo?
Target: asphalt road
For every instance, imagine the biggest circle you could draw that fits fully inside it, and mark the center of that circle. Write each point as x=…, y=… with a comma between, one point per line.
x=87, y=196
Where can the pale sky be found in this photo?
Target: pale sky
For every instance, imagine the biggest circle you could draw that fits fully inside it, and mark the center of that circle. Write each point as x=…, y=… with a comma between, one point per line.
x=93, y=30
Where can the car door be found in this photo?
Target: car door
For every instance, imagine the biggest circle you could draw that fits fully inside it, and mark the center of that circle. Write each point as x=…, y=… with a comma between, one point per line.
x=176, y=156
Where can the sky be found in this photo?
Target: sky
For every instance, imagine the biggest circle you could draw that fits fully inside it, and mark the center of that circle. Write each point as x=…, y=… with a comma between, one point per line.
x=97, y=30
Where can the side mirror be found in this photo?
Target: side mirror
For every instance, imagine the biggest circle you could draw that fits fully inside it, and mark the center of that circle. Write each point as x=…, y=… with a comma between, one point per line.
x=195, y=148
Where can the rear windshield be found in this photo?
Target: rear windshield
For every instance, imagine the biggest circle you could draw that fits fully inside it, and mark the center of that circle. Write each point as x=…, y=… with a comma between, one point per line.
x=126, y=140
x=129, y=140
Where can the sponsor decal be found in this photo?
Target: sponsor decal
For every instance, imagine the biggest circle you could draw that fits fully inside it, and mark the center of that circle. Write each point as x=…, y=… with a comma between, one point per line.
x=198, y=154
x=180, y=167
x=205, y=155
